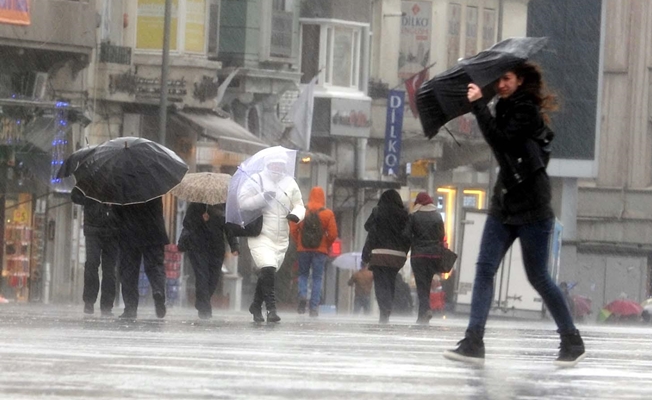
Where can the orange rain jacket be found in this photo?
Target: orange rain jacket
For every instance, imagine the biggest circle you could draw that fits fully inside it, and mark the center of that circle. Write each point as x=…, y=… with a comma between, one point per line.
x=316, y=201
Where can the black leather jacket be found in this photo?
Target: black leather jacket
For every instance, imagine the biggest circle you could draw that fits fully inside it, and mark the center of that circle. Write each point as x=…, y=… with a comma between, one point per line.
x=520, y=141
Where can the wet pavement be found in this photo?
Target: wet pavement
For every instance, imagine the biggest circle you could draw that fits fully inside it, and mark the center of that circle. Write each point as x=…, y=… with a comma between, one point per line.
x=55, y=352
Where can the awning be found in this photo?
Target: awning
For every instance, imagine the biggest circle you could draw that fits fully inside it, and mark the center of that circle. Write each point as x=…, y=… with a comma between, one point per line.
x=229, y=135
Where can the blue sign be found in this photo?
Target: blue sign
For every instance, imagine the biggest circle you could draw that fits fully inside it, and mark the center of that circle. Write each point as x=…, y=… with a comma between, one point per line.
x=393, y=128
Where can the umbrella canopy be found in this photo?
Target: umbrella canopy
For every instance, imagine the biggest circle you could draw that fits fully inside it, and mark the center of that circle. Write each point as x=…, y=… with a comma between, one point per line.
x=246, y=175
x=129, y=170
x=348, y=261
x=443, y=98
x=203, y=187
x=624, y=307
x=73, y=161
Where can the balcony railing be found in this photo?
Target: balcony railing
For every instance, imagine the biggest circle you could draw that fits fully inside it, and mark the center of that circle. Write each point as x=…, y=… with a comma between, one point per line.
x=281, y=40
x=110, y=53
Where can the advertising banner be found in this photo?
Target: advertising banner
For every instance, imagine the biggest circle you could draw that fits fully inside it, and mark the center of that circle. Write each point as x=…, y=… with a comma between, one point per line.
x=416, y=32
x=149, y=30
x=16, y=12
x=393, y=128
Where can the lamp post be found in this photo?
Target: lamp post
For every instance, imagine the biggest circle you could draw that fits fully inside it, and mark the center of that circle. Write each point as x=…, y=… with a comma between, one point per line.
x=165, y=67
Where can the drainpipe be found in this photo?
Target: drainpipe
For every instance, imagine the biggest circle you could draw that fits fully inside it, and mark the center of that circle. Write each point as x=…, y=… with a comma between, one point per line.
x=165, y=68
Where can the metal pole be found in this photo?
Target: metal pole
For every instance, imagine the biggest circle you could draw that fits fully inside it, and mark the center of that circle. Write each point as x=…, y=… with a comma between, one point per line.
x=165, y=67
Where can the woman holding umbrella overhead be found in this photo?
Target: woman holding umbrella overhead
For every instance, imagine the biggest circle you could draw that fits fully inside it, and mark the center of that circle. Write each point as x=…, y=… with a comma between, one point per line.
x=386, y=247
x=274, y=193
x=520, y=206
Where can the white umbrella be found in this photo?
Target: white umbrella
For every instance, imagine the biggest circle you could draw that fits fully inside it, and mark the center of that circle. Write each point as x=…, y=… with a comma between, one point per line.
x=267, y=171
x=350, y=261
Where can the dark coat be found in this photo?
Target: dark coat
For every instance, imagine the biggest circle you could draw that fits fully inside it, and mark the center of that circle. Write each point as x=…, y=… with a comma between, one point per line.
x=99, y=218
x=520, y=141
x=142, y=225
x=426, y=230
x=208, y=236
x=386, y=226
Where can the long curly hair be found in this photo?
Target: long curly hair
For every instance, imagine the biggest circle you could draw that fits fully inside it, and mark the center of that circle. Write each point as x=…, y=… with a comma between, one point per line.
x=534, y=85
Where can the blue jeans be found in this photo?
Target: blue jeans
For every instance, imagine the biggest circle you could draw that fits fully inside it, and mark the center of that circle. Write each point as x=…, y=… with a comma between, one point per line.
x=316, y=260
x=496, y=240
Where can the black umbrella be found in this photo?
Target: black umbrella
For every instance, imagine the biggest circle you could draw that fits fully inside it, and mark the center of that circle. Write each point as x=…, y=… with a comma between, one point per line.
x=443, y=98
x=129, y=170
x=73, y=161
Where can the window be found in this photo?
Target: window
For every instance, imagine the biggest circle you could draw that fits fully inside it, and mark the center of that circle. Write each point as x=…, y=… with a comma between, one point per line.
x=188, y=25
x=488, y=28
x=454, y=27
x=213, y=27
x=278, y=30
x=471, y=45
x=335, y=49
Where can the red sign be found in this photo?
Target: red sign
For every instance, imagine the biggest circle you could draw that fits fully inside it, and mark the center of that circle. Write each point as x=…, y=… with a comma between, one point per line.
x=15, y=12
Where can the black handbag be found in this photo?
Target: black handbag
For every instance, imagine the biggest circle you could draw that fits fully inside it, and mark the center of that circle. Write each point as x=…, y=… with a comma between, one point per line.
x=447, y=261
x=252, y=229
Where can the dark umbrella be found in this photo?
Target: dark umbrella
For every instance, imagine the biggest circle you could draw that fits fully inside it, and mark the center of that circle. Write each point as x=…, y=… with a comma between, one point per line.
x=129, y=170
x=73, y=161
x=443, y=98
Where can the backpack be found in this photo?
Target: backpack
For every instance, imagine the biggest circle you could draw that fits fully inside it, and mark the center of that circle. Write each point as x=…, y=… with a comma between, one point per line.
x=312, y=231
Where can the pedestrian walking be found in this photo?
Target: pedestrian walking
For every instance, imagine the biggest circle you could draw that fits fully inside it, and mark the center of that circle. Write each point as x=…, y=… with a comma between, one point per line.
x=520, y=207
x=101, y=237
x=386, y=247
x=207, y=230
x=363, y=281
x=142, y=236
x=313, y=237
x=276, y=194
x=426, y=231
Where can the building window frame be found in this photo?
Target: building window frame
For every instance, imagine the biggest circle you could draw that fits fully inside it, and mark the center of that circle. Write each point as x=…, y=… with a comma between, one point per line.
x=271, y=9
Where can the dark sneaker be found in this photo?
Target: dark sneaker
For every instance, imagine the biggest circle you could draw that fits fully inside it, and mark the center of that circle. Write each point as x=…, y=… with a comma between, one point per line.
x=314, y=312
x=159, y=305
x=468, y=350
x=301, y=309
x=272, y=316
x=107, y=313
x=425, y=318
x=89, y=308
x=128, y=315
x=257, y=313
x=205, y=315
x=571, y=350
x=384, y=317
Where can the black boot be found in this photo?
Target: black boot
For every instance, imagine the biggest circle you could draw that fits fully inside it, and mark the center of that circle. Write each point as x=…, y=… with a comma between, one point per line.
x=384, y=317
x=268, y=275
x=571, y=350
x=469, y=350
x=256, y=306
x=301, y=308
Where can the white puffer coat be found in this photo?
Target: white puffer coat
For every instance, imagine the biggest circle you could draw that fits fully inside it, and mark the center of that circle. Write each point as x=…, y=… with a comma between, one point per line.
x=268, y=249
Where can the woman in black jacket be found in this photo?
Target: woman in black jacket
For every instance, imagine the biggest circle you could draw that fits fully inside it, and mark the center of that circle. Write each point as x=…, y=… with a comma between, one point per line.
x=426, y=231
x=520, y=207
x=386, y=247
x=206, y=229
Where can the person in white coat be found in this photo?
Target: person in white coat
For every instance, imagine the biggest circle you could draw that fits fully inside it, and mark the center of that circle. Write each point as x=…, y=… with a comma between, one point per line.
x=279, y=197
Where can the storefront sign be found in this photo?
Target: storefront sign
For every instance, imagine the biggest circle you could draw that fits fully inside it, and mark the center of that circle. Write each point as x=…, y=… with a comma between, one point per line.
x=146, y=87
x=350, y=118
x=16, y=12
x=393, y=128
x=416, y=31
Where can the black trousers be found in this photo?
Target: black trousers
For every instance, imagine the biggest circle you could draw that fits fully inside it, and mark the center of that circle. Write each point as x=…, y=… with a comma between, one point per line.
x=153, y=257
x=265, y=289
x=384, y=285
x=100, y=250
x=208, y=276
x=423, y=270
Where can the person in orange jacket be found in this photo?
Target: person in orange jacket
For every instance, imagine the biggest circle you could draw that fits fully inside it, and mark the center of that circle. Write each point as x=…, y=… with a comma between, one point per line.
x=313, y=236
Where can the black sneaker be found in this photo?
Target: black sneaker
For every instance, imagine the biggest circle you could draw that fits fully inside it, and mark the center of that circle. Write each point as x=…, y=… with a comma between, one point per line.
x=301, y=309
x=314, y=312
x=468, y=350
x=128, y=315
x=571, y=350
x=89, y=308
x=107, y=313
x=425, y=318
x=272, y=316
x=159, y=305
x=257, y=313
x=205, y=314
